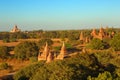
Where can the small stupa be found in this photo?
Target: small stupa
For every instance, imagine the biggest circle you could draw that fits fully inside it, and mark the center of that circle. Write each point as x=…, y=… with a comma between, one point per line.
x=63, y=52
x=15, y=29
x=93, y=33
x=81, y=36
x=101, y=34
x=50, y=58
x=86, y=40
x=45, y=53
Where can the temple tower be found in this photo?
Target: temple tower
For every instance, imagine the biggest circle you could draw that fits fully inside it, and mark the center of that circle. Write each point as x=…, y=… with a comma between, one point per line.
x=15, y=29
x=93, y=33
x=81, y=36
x=63, y=52
x=50, y=58
x=86, y=40
x=101, y=34
x=45, y=53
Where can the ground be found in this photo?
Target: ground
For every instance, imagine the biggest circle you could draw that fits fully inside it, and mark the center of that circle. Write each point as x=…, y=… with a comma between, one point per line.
x=18, y=64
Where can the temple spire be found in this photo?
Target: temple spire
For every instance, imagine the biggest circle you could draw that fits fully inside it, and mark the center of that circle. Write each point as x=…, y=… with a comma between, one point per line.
x=45, y=53
x=93, y=33
x=63, y=52
x=50, y=58
x=15, y=29
x=81, y=36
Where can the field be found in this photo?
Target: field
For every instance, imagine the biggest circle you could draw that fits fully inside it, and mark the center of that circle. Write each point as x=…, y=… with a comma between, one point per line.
x=18, y=64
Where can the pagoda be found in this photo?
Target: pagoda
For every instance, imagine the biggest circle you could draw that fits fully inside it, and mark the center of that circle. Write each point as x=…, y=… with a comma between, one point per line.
x=50, y=58
x=15, y=29
x=63, y=52
x=44, y=55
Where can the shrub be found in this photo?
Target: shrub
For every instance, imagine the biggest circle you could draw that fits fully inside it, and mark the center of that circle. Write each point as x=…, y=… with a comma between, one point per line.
x=6, y=40
x=96, y=44
x=4, y=66
x=33, y=59
x=25, y=50
x=27, y=72
x=115, y=42
x=42, y=42
x=4, y=52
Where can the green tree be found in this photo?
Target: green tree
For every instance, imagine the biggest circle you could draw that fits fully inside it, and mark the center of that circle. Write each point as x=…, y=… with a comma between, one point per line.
x=27, y=72
x=115, y=42
x=3, y=66
x=96, y=44
x=102, y=76
x=25, y=50
x=4, y=52
x=42, y=42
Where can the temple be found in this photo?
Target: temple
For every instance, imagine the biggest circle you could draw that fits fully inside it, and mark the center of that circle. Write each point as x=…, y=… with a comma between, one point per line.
x=15, y=29
x=63, y=52
x=50, y=58
x=81, y=36
x=101, y=35
x=44, y=55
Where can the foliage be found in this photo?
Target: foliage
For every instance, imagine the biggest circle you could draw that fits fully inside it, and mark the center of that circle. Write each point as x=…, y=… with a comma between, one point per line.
x=27, y=72
x=115, y=42
x=103, y=76
x=4, y=52
x=25, y=50
x=3, y=66
x=96, y=44
x=33, y=59
x=42, y=42
x=92, y=66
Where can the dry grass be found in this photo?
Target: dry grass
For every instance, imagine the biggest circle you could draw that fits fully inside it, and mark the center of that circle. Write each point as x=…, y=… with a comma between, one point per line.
x=18, y=64
x=15, y=66
x=21, y=40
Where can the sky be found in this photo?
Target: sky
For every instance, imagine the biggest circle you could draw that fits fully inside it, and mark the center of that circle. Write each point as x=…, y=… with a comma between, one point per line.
x=59, y=14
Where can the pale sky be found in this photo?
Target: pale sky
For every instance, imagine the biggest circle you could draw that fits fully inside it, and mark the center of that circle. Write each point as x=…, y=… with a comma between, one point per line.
x=58, y=14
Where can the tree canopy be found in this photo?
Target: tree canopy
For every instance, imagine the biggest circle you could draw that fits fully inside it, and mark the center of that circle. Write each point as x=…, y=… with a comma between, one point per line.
x=25, y=50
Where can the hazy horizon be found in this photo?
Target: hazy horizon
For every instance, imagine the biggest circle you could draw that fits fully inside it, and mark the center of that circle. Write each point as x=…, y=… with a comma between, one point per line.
x=58, y=14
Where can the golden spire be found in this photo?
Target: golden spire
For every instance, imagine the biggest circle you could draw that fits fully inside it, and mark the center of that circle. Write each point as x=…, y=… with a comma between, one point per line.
x=45, y=53
x=81, y=36
x=63, y=52
x=50, y=58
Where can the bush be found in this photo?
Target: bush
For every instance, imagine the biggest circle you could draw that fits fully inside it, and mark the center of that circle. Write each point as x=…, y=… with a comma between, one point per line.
x=102, y=76
x=25, y=50
x=33, y=59
x=78, y=67
x=6, y=40
x=96, y=44
x=42, y=42
x=115, y=42
x=27, y=72
x=4, y=52
x=4, y=66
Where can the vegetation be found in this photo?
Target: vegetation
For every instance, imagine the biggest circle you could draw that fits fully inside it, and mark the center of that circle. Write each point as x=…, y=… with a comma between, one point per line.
x=115, y=42
x=42, y=42
x=3, y=66
x=101, y=62
x=96, y=44
x=4, y=52
x=91, y=66
x=25, y=50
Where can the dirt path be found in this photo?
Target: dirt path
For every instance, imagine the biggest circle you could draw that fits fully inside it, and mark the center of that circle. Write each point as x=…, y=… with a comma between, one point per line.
x=8, y=76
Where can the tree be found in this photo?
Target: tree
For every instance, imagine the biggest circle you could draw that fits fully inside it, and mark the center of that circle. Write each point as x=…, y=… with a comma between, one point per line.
x=4, y=52
x=115, y=42
x=42, y=42
x=96, y=44
x=25, y=50
x=102, y=76
x=27, y=72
